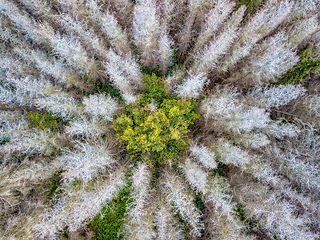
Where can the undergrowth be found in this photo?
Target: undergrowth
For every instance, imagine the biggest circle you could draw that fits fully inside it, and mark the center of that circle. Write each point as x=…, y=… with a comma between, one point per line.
x=52, y=186
x=45, y=120
x=4, y=139
x=99, y=87
x=302, y=69
x=109, y=222
x=250, y=4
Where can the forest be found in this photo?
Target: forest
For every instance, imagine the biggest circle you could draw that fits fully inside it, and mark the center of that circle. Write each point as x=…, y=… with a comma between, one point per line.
x=160, y=119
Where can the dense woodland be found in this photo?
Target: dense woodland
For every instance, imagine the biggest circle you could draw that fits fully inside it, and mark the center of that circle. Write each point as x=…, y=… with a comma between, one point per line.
x=160, y=119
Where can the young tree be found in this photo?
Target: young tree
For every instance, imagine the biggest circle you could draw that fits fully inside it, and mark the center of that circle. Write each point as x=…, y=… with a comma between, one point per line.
x=165, y=49
x=224, y=223
x=167, y=227
x=90, y=128
x=232, y=116
x=213, y=20
x=308, y=108
x=260, y=25
x=303, y=9
x=302, y=172
x=51, y=66
x=18, y=138
x=192, y=86
x=194, y=8
x=207, y=59
x=229, y=154
x=67, y=47
x=204, y=155
x=125, y=75
x=177, y=194
x=146, y=30
x=280, y=130
x=86, y=35
x=302, y=29
x=274, y=59
x=139, y=220
x=276, y=215
x=109, y=26
x=196, y=177
x=215, y=195
x=76, y=207
x=274, y=96
x=100, y=105
x=86, y=162
x=221, y=103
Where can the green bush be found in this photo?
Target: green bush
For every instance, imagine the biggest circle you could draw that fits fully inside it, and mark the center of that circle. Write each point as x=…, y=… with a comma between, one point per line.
x=155, y=90
x=158, y=134
x=55, y=182
x=302, y=69
x=110, y=221
x=250, y=4
x=251, y=222
x=108, y=89
x=44, y=120
x=4, y=139
x=198, y=202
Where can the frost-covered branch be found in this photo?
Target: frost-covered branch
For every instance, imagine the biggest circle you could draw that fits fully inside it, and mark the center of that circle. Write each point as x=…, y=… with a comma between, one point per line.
x=178, y=195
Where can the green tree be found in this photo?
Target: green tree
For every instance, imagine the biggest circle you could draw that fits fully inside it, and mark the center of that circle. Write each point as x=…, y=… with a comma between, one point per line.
x=157, y=126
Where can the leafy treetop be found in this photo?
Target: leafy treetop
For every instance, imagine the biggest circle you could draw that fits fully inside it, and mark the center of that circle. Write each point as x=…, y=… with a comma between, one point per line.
x=157, y=126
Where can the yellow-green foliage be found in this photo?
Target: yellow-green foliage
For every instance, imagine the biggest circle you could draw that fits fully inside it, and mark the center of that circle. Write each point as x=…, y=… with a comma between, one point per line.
x=155, y=89
x=158, y=134
x=43, y=120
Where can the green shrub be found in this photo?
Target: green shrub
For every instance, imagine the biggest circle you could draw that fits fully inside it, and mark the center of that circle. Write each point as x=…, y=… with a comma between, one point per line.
x=198, y=202
x=250, y=4
x=110, y=221
x=52, y=186
x=99, y=87
x=221, y=170
x=155, y=89
x=158, y=134
x=251, y=222
x=302, y=69
x=155, y=175
x=44, y=120
x=55, y=182
x=4, y=139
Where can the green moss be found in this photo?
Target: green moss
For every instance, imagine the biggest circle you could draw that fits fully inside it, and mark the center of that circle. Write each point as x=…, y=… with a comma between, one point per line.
x=109, y=223
x=302, y=69
x=65, y=233
x=157, y=134
x=174, y=67
x=182, y=225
